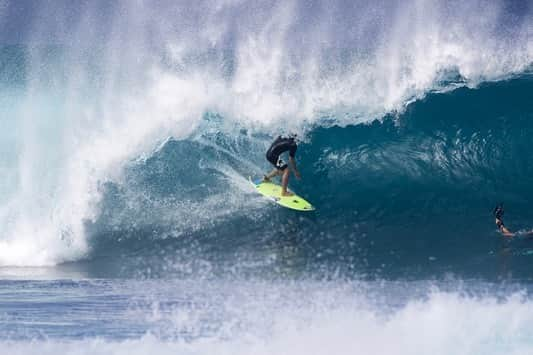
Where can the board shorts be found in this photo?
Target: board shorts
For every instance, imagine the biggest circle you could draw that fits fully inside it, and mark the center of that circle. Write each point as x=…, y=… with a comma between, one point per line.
x=277, y=162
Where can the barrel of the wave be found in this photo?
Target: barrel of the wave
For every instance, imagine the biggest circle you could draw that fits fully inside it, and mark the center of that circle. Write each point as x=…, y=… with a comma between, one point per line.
x=273, y=192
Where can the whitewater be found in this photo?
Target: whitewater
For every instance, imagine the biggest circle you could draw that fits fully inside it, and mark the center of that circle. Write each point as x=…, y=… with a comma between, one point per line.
x=128, y=131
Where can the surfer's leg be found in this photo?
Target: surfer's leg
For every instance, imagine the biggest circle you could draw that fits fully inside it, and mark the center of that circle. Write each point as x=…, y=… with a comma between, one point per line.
x=273, y=173
x=285, y=182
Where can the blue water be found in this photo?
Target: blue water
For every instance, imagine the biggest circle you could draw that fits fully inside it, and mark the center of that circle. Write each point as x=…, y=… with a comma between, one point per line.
x=410, y=196
x=128, y=132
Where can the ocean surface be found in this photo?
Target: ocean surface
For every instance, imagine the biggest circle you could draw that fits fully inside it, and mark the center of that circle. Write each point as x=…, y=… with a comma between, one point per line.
x=128, y=131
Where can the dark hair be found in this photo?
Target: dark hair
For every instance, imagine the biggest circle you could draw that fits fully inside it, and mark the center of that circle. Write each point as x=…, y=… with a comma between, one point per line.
x=498, y=211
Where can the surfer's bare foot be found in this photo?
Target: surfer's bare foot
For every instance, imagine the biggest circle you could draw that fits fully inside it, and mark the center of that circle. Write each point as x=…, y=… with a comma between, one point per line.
x=266, y=179
x=287, y=193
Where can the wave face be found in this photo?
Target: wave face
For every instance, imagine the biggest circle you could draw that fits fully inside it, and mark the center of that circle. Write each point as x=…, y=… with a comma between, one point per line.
x=90, y=171
x=410, y=196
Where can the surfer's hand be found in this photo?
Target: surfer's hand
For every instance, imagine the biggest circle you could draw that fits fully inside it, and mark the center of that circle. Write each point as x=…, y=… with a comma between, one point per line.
x=297, y=174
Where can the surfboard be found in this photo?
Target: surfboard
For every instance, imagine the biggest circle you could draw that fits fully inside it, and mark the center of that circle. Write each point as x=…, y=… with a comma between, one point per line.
x=273, y=192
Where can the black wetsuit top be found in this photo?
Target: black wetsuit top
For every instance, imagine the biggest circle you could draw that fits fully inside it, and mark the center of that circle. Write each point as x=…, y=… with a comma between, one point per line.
x=280, y=146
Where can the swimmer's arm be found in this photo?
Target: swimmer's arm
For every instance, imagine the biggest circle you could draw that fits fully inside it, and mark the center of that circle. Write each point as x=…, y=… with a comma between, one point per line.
x=506, y=232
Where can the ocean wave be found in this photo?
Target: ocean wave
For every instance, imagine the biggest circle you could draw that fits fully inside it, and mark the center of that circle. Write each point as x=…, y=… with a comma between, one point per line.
x=306, y=318
x=115, y=80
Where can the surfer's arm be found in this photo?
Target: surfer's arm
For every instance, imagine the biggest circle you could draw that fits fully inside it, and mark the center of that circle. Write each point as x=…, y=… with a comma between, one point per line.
x=506, y=232
x=292, y=164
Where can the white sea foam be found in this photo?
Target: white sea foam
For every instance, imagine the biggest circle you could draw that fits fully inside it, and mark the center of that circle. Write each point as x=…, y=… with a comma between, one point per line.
x=325, y=322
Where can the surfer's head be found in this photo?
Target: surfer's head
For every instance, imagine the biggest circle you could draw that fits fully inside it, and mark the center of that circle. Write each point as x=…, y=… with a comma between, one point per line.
x=498, y=211
x=293, y=136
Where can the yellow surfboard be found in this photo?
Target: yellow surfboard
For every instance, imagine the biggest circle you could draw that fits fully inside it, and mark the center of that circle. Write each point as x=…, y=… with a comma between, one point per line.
x=273, y=192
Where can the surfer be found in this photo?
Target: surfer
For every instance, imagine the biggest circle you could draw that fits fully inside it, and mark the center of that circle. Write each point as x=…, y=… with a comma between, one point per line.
x=279, y=146
x=498, y=215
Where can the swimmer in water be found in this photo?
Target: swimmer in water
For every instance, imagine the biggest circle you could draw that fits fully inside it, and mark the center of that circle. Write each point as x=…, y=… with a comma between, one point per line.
x=498, y=215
